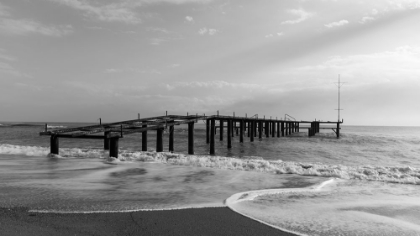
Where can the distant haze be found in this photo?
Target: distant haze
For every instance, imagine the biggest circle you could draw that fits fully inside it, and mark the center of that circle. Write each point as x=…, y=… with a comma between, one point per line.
x=78, y=60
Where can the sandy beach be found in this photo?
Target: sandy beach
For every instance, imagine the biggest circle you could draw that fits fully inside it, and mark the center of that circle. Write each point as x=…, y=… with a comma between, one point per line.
x=203, y=221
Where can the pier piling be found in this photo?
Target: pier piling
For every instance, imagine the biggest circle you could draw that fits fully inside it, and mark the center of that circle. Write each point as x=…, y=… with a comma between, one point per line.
x=191, y=138
x=159, y=140
x=54, y=143
x=144, y=139
x=113, y=147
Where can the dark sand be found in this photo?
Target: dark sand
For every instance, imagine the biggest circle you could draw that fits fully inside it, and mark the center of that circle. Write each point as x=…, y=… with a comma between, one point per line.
x=203, y=221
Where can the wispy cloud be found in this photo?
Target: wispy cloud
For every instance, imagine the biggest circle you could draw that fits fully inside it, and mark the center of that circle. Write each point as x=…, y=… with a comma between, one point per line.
x=11, y=26
x=337, y=23
x=204, y=31
x=272, y=35
x=217, y=84
x=189, y=19
x=6, y=67
x=302, y=16
x=398, y=65
x=23, y=27
x=366, y=19
x=117, y=12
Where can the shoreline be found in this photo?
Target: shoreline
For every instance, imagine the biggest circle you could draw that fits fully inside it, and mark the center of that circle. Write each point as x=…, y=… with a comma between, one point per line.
x=193, y=221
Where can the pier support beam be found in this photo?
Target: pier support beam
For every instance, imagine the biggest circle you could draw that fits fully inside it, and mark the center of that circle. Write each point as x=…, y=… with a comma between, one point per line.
x=208, y=131
x=191, y=138
x=338, y=130
x=171, y=138
x=54, y=144
x=159, y=140
x=229, y=134
x=273, y=130
x=144, y=139
x=287, y=128
x=267, y=129
x=260, y=129
x=212, y=133
x=252, y=123
x=232, y=128
x=106, y=140
x=241, y=131
x=221, y=129
x=278, y=129
x=290, y=128
x=282, y=129
x=113, y=147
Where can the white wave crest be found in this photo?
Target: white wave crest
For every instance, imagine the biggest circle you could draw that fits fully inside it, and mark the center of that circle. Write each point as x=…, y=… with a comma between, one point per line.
x=402, y=174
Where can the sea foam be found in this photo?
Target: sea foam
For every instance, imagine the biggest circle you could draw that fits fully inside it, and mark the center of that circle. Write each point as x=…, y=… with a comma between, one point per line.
x=393, y=174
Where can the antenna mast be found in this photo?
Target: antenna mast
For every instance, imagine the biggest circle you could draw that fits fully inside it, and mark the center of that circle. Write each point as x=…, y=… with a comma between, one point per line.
x=339, y=84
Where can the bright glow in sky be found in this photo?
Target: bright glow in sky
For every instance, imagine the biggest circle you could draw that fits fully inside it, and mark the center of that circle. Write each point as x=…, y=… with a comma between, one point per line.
x=78, y=60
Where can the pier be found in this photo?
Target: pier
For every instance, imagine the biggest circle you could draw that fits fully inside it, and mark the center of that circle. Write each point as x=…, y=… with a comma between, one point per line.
x=251, y=127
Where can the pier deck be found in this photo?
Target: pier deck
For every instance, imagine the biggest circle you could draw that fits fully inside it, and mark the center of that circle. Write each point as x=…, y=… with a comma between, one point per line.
x=256, y=127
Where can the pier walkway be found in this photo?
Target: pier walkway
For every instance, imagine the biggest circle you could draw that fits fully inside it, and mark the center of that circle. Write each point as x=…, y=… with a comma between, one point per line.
x=255, y=127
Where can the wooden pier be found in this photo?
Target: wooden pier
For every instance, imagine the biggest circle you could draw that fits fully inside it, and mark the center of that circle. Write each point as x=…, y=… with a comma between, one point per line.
x=253, y=127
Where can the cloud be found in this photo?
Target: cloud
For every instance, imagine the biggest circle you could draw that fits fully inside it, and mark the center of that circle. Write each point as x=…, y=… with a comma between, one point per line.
x=216, y=84
x=366, y=19
x=26, y=26
x=302, y=16
x=337, y=23
x=114, y=12
x=276, y=34
x=7, y=68
x=119, y=11
x=23, y=27
x=204, y=31
x=189, y=18
x=398, y=65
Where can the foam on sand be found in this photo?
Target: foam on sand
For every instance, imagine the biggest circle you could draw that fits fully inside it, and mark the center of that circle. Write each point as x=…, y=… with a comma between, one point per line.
x=336, y=207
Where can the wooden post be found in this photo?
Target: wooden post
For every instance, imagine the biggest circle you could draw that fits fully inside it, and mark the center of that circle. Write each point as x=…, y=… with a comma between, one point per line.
x=159, y=140
x=260, y=129
x=106, y=140
x=255, y=127
x=208, y=131
x=229, y=133
x=191, y=138
x=274, y=129
x=241, y=133
x=212, y=133
x=248, y=127
x=282, y=128
x=309, y=132
x=221, y=129
x=113, y=147
x=144, y=139
x=252, y=123
x=267, y=130
x=286, y=128
x=232, y=125
x=171, y=138
x=338, y=130
x=237, y=130
x=278, y=129
x=290, y=128
x=54, y=144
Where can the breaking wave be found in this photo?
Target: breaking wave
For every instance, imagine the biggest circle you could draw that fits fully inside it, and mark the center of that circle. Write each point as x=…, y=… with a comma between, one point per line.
x=393, y=174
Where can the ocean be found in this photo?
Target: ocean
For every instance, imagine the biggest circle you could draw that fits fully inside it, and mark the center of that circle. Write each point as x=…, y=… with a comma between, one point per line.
x=365, y=183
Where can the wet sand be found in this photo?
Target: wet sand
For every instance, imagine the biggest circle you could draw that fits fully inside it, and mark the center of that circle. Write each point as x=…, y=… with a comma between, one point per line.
x=200, y=221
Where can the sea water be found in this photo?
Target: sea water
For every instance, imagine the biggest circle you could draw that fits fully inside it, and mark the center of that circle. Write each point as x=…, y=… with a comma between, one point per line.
x=366, y=182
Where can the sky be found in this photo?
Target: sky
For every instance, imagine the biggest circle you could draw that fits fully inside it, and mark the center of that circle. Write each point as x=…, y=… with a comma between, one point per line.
x=81, y=60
